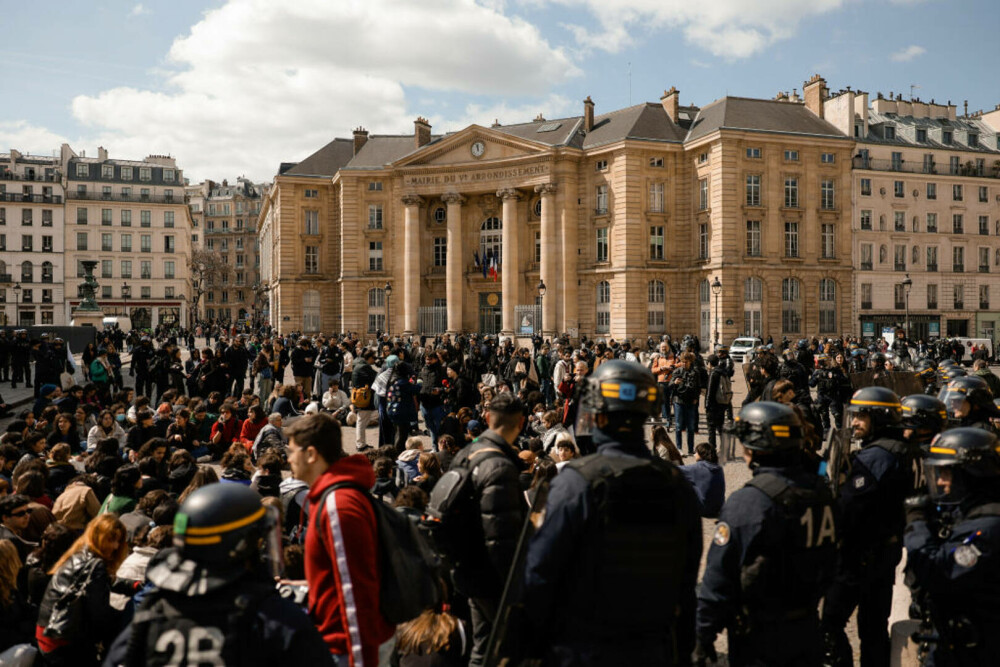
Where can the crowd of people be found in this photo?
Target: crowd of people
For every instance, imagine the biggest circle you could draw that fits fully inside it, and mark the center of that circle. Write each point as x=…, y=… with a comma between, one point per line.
x=146, y=512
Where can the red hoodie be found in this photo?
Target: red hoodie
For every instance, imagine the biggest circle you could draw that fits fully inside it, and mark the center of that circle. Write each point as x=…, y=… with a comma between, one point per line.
x=342, y=565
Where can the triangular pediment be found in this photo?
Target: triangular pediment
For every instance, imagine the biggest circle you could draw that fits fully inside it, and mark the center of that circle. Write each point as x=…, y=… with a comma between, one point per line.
x=473, y=145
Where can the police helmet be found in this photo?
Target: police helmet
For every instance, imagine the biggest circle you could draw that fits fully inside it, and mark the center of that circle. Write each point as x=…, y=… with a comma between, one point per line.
x=926, y=370
x=722, y=349
x=948, y=373
x=765, y=426
x=802, y=344
x=621, y=386
x=219, y=523
x=923, y=412
x=880, y=403
x=970, y=388
x=960, y=462
x=878, y=360
x=948, y=361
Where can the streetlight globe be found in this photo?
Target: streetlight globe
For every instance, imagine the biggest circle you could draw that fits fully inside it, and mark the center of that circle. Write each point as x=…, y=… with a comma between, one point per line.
x=388, y=289
x=716, y=285
x=541, y=288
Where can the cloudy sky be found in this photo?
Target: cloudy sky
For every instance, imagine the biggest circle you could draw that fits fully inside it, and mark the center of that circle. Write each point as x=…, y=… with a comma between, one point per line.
x=233, y=87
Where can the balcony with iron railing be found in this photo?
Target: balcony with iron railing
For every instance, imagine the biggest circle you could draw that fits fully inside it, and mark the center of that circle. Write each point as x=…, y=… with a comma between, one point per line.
x=133, y=198
x=30, y=199
x=35, y=177
x=915, y=167
x=984, y=268
x=932, y=268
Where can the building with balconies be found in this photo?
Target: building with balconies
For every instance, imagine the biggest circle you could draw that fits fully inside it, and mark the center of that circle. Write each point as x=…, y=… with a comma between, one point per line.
x=31, y=240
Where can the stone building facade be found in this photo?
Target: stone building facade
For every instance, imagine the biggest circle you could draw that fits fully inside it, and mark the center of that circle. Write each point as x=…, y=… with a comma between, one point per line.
x=31, y=240
x=131, y=217
x=926, y=223
x=627, y=218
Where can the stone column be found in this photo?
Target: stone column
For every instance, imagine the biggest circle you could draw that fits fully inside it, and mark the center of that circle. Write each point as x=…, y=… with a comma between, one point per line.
x=454, y=262
x=569, y=242
x=547, y=270
x=411, y=263
x=510, y=260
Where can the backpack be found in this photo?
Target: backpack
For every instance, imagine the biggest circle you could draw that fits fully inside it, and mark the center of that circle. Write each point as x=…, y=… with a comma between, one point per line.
x=451, y=518
x=408, y=582
x=394, y=396
x=361, y=397
x=724, y=392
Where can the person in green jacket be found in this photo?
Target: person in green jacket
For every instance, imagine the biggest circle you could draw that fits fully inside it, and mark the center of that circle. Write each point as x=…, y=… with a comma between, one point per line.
x=124, y=489
x=100, y=373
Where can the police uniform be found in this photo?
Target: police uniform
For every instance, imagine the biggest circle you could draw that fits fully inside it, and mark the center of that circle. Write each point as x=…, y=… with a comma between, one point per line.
x=773, y=552
x=21, y=359
x=212, y=603
x=953, y=551
x=610, y=574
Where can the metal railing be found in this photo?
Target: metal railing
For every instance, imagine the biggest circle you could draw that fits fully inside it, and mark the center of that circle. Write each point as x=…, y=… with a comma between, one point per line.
x=30, y=199
x=432, y=320
x=133, y=198
x=906, y=167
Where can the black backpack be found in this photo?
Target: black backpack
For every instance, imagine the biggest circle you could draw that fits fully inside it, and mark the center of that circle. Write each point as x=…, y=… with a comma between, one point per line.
x=409, y=569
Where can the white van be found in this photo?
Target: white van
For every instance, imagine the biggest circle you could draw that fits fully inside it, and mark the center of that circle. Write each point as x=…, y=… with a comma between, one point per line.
x=967, y=343
x=742, y=346
x=118, y=322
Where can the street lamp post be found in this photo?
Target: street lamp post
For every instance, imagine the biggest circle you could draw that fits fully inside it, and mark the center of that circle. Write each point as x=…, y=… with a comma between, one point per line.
x=907, y=284
x=126, y=293
x=388, y=293
x=717, y=290
x=541, y=304
x=17, y=304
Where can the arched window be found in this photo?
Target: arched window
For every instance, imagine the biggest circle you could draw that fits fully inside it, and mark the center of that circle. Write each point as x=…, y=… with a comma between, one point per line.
x=656, y=307
x=753, y=299
x=310, y=311
x=27, y=270
x=46, y=272
x=827, y=306
x=491, y=240
x=791, y=306
x=376, y=310
x=883, y=254
x=603, y=307
x=705, y=315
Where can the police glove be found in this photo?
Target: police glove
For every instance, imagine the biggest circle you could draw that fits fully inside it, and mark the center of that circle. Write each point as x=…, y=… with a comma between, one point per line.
x=704, y=652
x=918, y=508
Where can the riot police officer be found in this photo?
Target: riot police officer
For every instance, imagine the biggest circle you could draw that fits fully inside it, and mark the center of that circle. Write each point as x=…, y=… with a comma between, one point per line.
x=214, y=601
x=21, y=359
x=923, y=418
x=970, y=403
x=5, y=350
x=871, y=504
x=774, y=550
x=610, y=574
x=141, y=357
x=953, y=548
x=927, y=374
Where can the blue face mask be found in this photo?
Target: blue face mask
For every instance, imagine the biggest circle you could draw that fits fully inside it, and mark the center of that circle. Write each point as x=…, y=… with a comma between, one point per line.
x=120, y=418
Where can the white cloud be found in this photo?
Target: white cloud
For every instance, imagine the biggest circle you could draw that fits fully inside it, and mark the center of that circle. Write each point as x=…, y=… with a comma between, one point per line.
x=139, y=10
x=257, y=82
x=553, y=106
x=29, y=138
x=907, y=54
x=729, y=29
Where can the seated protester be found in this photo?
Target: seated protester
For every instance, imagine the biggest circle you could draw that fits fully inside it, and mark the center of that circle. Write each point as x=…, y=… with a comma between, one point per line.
x=157, y=449
x=47, y=396
x=447, y=448
x=707, y=479
x=107, y=427
x=473, y=430
x=146, y=543
x=163, y=419
x=336, y=401
x=242, y=406
x=286, y=401
x=407, y=461
x=544, y=472
x=183, y=434
x=411, y=502
x=9, y=456
x=32, y=485
x=132, y=416
x=141, y=433
x=65, y=431
x=236, y=467
x=33, y=448
x=70, y=400
x=83, y=573
x=429, y=469
x=529, y=459
x=552, y=422
x=165, y=513
x=434, y=638
x=61, y=471
x=385, y=488
x=267, y=480
x=148, y=478
x=253, y=424
x=46, y=421
x=180, y=470
x=204, y=476
x=103, y=462
x=270, y=437
x=225, y=431
x=78, y=503
x=56, y=539
x=5, y=410
x=142, y=515
x=15, y=514
x=203, y=422
x=17, y=617
x=565, y=450
x=124, y=491
x=665, y=448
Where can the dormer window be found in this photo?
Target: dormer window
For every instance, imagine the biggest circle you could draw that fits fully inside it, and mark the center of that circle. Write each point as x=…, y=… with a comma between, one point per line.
x=946, y=138
x=890, y=132
x=601, y=165
x=973, y=141
x=921, y=135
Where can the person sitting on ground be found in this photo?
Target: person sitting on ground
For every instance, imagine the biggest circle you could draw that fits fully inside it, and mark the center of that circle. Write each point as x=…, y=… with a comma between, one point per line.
x=447, y=448
x=707, y=479
x=566, y=450
x=146, y=543
x=65, y=431
x=142, y=515
x=124, y=491
x=267, y=480
x=336, y=401
x=429, y=468
x=270, y=437
x=56, y=539
x=15, y=514
x=61, y=471
x=385, y=488
x=236, y=466
x=204, y=476
x=32, y=485
x=664, y=447
x=553, y=429
x=406, y=462
x=107, y=427
x=253, y=424
x=286, y=401
x=225, y=431
x=17, y=617
x=411, y=502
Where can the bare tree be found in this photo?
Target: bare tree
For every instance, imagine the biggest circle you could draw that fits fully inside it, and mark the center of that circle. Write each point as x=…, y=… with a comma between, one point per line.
x=207, y=270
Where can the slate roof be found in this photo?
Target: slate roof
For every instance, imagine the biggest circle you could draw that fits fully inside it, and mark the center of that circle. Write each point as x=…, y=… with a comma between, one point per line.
x=643, y=121
x=381, y=149
x=906, y=132
x=327, y=161
x=742, y=113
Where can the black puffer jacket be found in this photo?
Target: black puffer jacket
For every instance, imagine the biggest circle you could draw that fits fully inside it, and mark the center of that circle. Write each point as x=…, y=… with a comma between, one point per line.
x=501, y=508
x=87, y=575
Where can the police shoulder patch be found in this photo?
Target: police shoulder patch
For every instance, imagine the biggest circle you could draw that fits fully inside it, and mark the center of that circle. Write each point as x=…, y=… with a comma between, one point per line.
x=859, y=482
x=722, y=534
x=967, y=555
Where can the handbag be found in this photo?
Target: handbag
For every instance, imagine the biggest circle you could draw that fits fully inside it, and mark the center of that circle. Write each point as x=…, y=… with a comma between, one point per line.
x=66, y=381
x=490, y=379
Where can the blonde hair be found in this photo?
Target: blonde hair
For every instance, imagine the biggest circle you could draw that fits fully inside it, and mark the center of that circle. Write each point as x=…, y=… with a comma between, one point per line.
x=427, y=634
x=97, y=538
x=10, y=565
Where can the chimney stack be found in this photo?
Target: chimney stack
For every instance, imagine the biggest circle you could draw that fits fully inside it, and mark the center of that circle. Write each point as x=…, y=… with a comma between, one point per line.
x=671, y=102
x=814, y=91
x=421, y=132
x=360, y=138
x=588, y=114
x=102, y=153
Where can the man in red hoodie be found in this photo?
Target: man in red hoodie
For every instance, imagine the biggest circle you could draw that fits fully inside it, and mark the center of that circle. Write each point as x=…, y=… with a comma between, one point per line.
x=341, y=557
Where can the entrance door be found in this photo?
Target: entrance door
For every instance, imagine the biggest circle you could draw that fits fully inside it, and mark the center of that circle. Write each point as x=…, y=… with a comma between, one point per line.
x=490, y=316
x=958, y=328
x=142, y=318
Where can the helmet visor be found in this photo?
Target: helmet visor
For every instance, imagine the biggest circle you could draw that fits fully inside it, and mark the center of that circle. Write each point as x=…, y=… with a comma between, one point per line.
x=946, y=483
x=953, y=398
x=271, y=550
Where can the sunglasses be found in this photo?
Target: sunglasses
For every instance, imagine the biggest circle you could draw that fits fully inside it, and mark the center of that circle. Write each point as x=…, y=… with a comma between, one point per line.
x=20, y=513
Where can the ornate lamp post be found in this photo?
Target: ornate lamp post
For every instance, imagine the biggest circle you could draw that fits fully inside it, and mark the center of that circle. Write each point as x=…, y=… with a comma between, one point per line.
x=907, y=284
x=717, y=290
x=17, y=304
x=388, y=293
x=126, y=293
x=541, y=305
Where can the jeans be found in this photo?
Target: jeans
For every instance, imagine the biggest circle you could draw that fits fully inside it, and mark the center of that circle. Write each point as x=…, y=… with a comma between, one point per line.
x=548, y=392
x=686, y=417
x=714, y=418
x=665, y=391
x=432, y=419
x=483, y=611
x=264, y=388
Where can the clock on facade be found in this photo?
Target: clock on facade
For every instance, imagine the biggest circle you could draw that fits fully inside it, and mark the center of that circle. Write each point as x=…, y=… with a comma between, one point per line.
x=478, y=148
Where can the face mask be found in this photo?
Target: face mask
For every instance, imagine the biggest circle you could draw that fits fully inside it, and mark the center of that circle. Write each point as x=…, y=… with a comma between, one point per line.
x=120, y=418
